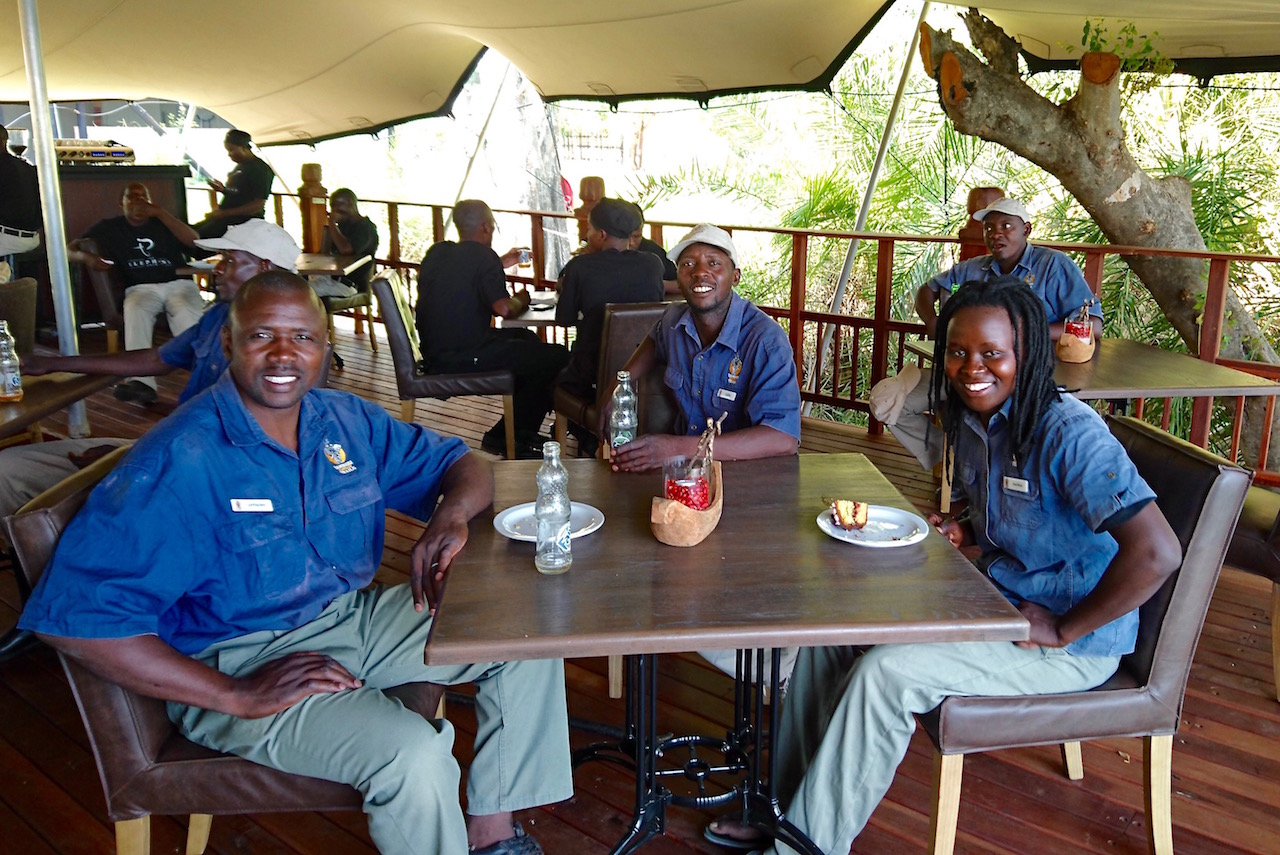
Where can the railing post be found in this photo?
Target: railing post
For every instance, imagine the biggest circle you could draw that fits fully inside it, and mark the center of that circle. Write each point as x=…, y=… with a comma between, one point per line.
x=799, y=271
x=437, y=223
x=880, y=323
x=1093, y=270
x=538, y=249
x=655, y=234
x=393, y=226
x=1215, y=303
x=279, y=209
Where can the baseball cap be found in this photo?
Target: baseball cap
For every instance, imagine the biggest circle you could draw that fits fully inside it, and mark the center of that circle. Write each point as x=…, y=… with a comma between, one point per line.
x=616, y=217
x=710, y=235
x=260, y=238
x=1012, y=207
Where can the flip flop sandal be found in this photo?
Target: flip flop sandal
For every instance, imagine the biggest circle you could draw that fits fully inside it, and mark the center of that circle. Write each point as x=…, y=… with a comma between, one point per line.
x=746, y=839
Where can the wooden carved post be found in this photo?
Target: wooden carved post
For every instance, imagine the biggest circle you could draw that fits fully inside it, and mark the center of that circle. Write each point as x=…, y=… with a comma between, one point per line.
x=315, y=208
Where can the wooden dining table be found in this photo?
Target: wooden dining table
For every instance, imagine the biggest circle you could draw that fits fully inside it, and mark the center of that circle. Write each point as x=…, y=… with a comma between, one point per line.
x=767, y=577
x=45, y=395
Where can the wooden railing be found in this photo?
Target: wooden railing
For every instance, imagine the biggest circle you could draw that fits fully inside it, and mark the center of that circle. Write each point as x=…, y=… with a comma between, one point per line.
x=841, y=381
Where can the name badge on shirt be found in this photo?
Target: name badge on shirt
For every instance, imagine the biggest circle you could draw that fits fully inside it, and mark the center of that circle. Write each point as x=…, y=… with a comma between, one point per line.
x=1017, y=485
x=727, y=394
x=252, y=506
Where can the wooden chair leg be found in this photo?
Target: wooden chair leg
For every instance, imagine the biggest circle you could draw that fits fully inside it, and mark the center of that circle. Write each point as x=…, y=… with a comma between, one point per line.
x=373, y=336
x=509, y=420
x=407, y=410
x=1158, y=767
x=615, y=676
x=562, y=430
x=440, y=707
x=358, y=324
x=1072, y=759
x=198, y=833
x=133, y=836
x=113, y=341
x=947, y=772
x=1275, y=638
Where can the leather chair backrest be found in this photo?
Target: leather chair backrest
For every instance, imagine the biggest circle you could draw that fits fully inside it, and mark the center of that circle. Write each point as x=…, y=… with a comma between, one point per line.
x=18, y=307
x=1200, y=495
x=625, y=327
x=402, y=331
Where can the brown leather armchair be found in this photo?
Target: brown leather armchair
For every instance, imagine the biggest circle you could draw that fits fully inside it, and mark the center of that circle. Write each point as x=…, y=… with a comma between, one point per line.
x=1255, y=548
x=411, y=383
x=145, y=764
x=1200, y=495
x=625, y=327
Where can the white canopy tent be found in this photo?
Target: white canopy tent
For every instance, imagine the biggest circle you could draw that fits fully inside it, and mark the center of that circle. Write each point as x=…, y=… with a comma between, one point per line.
x=292, y=71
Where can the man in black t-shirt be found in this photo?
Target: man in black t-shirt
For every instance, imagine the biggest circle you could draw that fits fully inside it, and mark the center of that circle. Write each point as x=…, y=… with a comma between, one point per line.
x=347, y=233
x=609, y=272
x=639, y=242
x=19, y=202
x=461, y=286
x=145, y=246
x=245, y=194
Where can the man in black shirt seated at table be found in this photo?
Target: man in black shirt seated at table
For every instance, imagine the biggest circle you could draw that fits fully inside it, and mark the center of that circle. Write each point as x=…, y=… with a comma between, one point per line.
x=610, y=272
x=146, y=246
x=639, y=242
x=461, y=287
x=348, y=232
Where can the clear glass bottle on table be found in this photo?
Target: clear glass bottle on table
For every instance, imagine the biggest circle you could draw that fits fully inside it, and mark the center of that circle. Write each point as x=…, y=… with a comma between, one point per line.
x=623, y=419
x=552, y=510
x=10, y=374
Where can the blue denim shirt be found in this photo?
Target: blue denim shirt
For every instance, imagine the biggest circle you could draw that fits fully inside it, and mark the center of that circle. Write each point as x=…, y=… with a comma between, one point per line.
x=1038, y=522
x=1050, y=273
x=209, y=530
x=748, y=372
x=199, y=350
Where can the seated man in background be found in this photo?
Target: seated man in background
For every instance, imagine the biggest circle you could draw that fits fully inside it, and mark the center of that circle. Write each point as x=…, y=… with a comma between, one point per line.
x=347, y=233
x=643, y=244
x=146, y=246
x=286, y=668
x=461, y=288
x=610, y=273
x=1053, y=277
x=723, y=357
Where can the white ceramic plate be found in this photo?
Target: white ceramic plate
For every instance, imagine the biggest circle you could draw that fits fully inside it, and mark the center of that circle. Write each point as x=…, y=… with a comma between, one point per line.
x=546, y=302
x=886, y=527
x=518, y=523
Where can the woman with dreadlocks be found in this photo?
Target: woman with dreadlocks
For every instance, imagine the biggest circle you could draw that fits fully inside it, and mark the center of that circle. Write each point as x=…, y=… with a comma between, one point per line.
x=1067, y=530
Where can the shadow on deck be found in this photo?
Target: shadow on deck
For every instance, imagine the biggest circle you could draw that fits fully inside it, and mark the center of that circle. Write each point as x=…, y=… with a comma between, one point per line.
x=1225, y=766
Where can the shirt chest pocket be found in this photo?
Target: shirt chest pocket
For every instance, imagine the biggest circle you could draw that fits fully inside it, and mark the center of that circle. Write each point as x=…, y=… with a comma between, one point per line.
x=345, y=538
x=265, y=550
x=1020, y=502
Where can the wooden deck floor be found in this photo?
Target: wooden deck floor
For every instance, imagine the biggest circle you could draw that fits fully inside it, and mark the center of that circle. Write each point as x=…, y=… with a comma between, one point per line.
x=1226, y=764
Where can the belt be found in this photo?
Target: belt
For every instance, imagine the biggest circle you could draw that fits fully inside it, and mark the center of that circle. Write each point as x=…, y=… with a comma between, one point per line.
x=22, y=233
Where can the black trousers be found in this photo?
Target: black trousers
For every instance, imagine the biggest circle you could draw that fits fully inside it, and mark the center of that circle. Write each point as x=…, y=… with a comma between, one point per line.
x=534, y=363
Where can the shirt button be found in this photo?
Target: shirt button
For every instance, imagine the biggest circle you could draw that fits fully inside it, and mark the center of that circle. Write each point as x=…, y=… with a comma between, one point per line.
x=697, y=391
x=1111, y=475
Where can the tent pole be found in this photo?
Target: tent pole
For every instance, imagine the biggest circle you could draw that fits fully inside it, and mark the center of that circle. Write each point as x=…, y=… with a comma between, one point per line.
x=838, y=297
x=51, y=200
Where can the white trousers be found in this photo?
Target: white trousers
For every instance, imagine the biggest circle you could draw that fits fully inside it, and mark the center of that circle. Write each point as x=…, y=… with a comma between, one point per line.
x=179, y=300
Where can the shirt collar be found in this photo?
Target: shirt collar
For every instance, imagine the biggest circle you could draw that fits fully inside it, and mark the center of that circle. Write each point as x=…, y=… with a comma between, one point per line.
x=729, y=333
x=242, y=428
x=1024, y=263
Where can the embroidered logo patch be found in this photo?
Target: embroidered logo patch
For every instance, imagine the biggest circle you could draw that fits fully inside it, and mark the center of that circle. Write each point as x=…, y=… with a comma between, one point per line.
x=735, y=369
x=336, y=455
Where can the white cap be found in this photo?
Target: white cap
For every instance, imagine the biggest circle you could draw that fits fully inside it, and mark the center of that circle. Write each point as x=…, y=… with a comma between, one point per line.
x=710, y=235
x=260, y=238
x=1012, y=207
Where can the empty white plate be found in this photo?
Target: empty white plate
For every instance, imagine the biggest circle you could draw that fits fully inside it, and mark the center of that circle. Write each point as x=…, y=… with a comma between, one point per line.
x=518, y=522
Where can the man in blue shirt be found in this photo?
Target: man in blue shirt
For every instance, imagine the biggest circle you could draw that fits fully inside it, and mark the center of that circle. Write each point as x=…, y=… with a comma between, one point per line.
x=723, y=357
x=247, y=250
x=249, y=612
x=1051, y=274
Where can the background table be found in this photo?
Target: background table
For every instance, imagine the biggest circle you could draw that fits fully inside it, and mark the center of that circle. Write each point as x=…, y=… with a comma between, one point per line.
x=44, y=396
x=767, y=577
x=318, y=264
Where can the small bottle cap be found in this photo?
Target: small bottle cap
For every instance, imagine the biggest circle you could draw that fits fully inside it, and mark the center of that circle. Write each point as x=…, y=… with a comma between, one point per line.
x=624, y=376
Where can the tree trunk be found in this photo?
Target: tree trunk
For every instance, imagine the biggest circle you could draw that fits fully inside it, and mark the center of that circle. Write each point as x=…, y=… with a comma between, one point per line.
x=1081, y=143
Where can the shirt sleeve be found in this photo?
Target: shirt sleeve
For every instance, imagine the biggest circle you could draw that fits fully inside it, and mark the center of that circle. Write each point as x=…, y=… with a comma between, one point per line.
x=775, y=394
x=412, y=461
x=363, y=237
x=958, y=274
x=567, y=307
x=1092, y=471
x=179, y=351
x=119, y=565
x=491, y=279
x=1067, y=291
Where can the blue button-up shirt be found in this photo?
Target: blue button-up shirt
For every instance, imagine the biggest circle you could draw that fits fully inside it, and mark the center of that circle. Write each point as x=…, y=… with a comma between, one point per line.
x=1039, y=522
x=748, y=372
x=210, y=530
x=1050, y=273
x=198, y=349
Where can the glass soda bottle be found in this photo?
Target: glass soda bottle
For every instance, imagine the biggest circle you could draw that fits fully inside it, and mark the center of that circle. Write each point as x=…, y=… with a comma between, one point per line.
x=554, y=554
x=622, y=421
x=10, y=375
